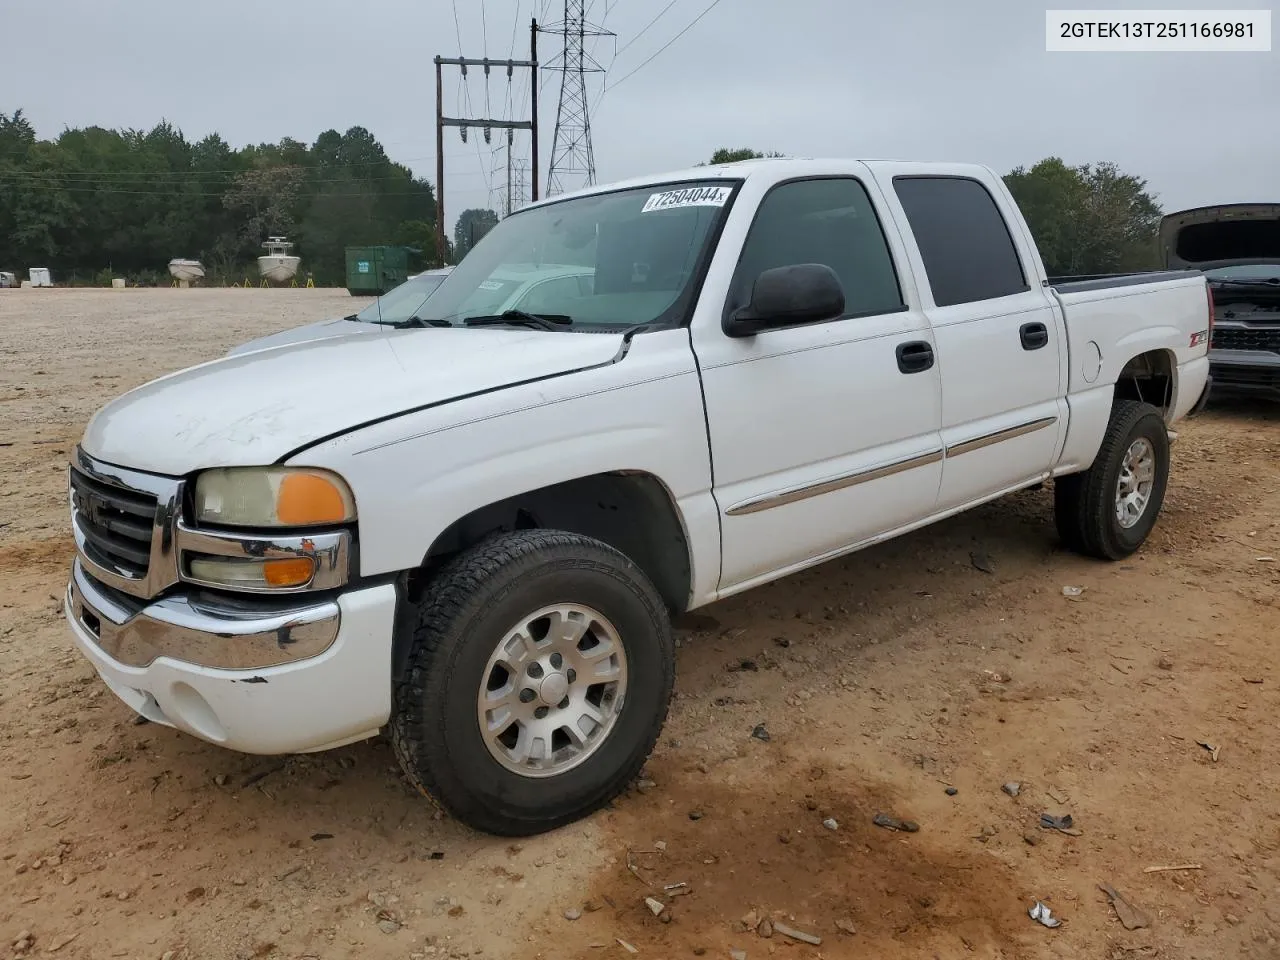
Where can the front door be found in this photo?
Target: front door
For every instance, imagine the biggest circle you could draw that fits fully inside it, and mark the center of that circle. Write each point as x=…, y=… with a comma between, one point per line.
x=824, y=435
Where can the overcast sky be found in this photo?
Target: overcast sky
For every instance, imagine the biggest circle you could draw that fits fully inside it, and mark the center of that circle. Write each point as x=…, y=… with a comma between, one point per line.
x=915, y=79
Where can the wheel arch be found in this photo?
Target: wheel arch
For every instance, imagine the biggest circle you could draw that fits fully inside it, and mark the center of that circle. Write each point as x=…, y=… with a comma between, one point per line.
x=632, y=511
x=1150, y=377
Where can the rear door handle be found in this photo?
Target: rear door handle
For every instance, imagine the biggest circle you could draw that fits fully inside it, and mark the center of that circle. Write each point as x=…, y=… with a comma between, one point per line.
x=914, y=356
x=1033, y=335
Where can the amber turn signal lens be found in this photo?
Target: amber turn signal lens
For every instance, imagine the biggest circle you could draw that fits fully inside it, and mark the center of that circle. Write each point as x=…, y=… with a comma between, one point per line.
x=290, y=572
x=305, y=499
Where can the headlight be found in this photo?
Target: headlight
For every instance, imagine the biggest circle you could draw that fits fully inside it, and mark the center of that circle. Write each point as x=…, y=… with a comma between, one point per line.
x=272, y=497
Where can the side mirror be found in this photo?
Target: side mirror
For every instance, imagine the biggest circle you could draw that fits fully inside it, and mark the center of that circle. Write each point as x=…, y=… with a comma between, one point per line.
x=784, y=296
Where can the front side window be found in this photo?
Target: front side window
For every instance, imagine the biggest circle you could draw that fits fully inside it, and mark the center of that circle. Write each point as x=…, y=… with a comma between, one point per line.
x=607, y=260
x=829, y=221
x=546, y=296
x=400, y=303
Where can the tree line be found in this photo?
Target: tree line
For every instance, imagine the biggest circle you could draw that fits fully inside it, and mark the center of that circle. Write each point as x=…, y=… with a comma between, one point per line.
x=1086, y=219
x=93, y=202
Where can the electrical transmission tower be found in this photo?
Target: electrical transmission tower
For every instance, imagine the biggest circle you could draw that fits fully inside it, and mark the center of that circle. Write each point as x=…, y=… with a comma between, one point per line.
x=573, y=163
x=509, y=195
x=519, y=184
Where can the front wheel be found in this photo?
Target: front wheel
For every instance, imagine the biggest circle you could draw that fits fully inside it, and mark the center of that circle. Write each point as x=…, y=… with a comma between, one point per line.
x=538, y=679
x=1109, y=510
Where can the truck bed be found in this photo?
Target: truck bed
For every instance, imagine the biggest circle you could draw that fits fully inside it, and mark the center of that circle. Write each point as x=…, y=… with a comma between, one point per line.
x=1101, y=281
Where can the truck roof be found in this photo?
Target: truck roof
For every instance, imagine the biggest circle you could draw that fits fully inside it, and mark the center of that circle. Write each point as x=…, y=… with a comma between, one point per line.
x=776, y=168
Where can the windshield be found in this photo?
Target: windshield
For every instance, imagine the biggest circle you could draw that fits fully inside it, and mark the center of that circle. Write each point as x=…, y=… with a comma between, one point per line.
x=1245, y=271
x=604, y=261
x=398, y=305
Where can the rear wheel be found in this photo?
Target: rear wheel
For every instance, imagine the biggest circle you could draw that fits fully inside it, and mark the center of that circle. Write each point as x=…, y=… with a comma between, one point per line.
x=1109, y=510
x=538, y=680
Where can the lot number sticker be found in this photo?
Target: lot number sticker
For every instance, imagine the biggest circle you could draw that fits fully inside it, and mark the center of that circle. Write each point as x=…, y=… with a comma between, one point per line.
x=688, y=197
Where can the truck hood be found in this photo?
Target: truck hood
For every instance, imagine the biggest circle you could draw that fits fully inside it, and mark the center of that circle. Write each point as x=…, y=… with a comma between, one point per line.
x=320, y=330
x=1234, y=233
x=254, y=408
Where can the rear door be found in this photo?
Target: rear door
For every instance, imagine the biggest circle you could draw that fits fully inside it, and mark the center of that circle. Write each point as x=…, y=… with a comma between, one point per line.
x=1000, y=336
x=823, y=435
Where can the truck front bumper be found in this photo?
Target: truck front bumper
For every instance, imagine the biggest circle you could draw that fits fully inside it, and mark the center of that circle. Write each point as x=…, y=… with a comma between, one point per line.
x=1245, y=373
x=245, y=675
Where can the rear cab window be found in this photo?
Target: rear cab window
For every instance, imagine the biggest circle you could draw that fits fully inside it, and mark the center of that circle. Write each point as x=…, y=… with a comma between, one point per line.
x=827, y=220
x=964, y=241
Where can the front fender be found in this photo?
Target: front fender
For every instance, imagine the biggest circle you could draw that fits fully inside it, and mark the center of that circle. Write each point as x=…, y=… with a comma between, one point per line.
x=414, y=476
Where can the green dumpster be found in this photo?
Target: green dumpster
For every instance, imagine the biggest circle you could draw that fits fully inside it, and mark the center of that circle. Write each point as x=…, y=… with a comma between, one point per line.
x=372, y=271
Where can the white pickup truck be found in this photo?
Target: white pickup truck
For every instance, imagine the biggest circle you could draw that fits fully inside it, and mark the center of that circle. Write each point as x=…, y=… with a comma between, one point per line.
x=470, y=530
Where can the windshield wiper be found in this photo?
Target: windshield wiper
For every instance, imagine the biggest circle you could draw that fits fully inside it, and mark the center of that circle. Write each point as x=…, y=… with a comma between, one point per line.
x=1238, y=282
x=520, y=318
x=420, y=322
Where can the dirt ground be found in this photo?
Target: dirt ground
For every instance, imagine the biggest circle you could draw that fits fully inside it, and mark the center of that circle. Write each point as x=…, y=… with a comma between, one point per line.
x=868, y=686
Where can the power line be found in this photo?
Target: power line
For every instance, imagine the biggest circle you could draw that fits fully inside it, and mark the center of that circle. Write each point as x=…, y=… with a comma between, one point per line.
x=39, y=177
x=604, y=82
x=645, y=28
x=484, y=45
x=506, y=106
x=190, y=176
x=457, y=27
x=712, y=6
x=465, y=86
x=189, y=193
x=213, y=170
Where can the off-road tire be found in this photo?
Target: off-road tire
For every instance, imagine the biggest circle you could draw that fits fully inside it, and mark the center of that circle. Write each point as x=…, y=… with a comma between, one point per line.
x=1085, y=503
x=465, y=611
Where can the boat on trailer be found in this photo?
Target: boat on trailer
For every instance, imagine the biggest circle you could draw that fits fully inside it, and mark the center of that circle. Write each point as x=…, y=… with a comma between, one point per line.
x=186, y=270
x=278, y=265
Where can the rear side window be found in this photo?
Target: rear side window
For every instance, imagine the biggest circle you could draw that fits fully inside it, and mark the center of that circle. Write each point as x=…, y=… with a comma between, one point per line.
x=964, y=241
x=829, y=221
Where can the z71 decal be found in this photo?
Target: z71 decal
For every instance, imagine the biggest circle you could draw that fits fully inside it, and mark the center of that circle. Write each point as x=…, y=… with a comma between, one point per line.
x=688, y=197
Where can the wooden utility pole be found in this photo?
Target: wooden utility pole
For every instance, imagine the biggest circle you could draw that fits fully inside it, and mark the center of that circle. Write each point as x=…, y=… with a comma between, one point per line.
x=533, y=110
x=483, y=123
x=440, y=247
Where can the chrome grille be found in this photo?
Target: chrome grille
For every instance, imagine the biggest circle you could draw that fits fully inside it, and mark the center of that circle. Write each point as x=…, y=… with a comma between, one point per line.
x=1246, y=338
x=117, y=524
x=124, y=521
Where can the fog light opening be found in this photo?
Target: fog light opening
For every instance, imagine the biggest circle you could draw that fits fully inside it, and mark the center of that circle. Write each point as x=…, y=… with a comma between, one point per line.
x=187, y=708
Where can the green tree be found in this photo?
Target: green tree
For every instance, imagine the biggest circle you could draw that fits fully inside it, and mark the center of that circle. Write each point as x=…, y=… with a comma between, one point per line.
x=266, y=200
x=735, y=154
x=1087, y=219
x=131, y=200
x=418, y=235
x=1122, y=221
x=471, y=226
x=1051, y=196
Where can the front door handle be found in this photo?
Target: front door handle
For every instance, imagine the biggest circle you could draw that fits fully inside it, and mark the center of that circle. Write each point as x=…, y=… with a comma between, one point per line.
x=1033, y=335
x=914, y=356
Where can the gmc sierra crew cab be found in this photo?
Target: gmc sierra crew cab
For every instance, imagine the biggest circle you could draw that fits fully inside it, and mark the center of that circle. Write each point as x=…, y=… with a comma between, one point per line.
x=470, y=529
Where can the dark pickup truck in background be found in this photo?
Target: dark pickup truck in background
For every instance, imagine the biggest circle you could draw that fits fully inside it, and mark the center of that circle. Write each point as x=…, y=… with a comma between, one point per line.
x=1237, y=247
